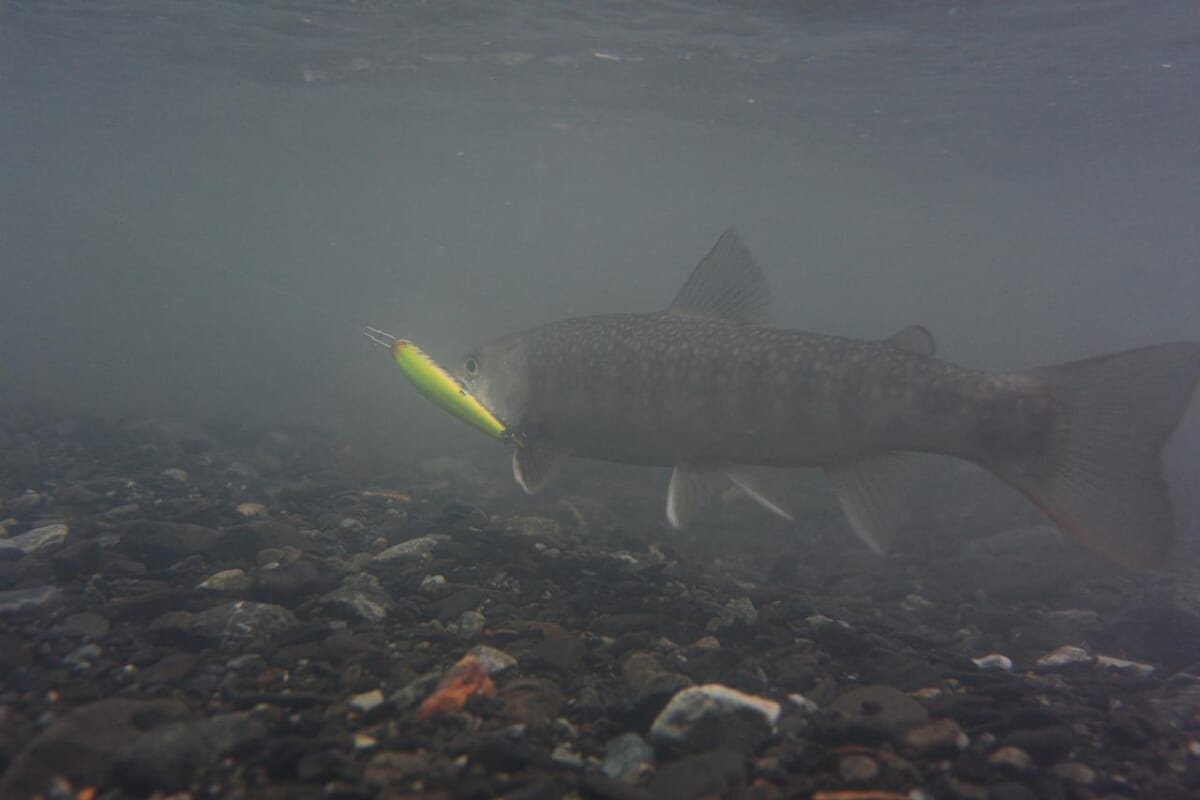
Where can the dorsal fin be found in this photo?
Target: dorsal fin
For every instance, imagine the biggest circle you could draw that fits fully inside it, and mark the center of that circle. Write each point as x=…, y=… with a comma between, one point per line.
x=726, y=284
x=916, y=339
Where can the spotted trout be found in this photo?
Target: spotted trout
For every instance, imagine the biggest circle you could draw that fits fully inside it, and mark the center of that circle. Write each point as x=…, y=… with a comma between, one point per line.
x=708, y=388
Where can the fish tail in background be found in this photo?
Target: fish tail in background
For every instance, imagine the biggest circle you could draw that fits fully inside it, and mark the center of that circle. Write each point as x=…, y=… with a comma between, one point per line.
x=1100, y=476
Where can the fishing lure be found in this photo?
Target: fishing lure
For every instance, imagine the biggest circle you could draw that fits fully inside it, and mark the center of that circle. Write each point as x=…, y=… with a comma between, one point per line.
x=437, y=384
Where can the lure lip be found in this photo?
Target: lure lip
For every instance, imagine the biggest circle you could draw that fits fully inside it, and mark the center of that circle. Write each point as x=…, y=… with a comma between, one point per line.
x=440, y=386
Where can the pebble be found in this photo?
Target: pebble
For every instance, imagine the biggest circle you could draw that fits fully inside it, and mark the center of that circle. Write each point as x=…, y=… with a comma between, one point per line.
x=418, y=549
x=994, y=661
x=1064, y=657
x=469, y=626
x=40, y=540
x=360, y=596
x=1075, y=772
x=737, y=613
x=34, y=598
x=803, y=704
x=366, y=701
x=941, y=737
x=243, y=621
x=252, y=510
x=1012, y=757
x=566, y=755
x=627, y=757
x=231, y=581
x=432, y=584
x=494, y=660
x=712, y=716
x=175, y=474
x=1121, y=665
x=858, y=768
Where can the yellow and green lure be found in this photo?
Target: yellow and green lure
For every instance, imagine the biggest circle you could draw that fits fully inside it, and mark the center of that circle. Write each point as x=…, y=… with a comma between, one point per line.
x=433, y=381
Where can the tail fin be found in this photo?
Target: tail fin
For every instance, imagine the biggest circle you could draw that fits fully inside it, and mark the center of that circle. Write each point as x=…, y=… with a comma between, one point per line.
x=1100, y=477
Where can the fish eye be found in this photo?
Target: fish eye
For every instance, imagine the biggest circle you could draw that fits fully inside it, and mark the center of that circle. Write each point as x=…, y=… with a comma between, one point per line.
x=471, y=366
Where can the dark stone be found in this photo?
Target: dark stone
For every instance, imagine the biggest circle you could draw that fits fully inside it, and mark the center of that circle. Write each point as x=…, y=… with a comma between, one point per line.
x=452, y=606
x=86, y=624
x=160, y=544
x=83, y=745
x=876, y=710
x=719, y=773
x=293, y=581
x=1046, y=745
x=562, y=655
x=1157, y=630
x=172, y=755
x=169, y=670
x=1011, y=791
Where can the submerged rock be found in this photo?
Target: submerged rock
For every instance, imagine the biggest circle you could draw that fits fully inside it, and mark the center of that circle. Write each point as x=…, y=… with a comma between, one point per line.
x=40, y=541
x=713, y=716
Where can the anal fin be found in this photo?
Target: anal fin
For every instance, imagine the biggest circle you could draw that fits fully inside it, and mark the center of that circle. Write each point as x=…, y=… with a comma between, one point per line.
x=872, y=494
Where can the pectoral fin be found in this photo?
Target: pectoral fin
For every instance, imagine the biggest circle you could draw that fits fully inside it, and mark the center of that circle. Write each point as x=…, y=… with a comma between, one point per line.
x=535, y=463
x=872, y=493
x=692, y=488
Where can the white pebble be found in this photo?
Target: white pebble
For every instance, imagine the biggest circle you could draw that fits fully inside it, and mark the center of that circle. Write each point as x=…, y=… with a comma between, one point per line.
x=994, y=661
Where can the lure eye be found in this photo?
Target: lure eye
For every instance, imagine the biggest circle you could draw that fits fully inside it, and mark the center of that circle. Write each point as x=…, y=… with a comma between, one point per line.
x=471, y=366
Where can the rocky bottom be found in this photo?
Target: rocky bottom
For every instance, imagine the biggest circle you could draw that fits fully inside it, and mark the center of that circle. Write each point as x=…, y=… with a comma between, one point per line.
x=225, y=613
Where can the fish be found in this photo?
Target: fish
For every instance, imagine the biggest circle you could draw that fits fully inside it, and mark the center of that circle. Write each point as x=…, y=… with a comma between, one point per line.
x=709, y=389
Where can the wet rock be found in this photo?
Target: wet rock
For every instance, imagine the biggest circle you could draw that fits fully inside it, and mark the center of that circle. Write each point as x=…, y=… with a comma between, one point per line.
x=1064, y=657
x=160, y=544
x=15, y=732
x=419, y=549
x=627, y=757
x=1159, y=629
x=713, y=716
x=938, y=738
x=466, y=679
x=1011, y=791
x=411, y=693
x=31, y=600
x=84, y=745
x=566, y=755
x=361, y=597
x=170, y=756
x=169, y=670
x=879, y=709
x=40, y=541
x=227, y=581
x=175, y=474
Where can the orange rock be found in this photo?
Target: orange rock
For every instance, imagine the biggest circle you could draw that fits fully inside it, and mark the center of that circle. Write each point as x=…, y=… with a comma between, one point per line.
x=463, y=681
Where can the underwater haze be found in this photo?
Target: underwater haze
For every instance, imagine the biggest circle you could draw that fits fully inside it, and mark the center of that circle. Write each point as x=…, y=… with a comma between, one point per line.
x=202, y=201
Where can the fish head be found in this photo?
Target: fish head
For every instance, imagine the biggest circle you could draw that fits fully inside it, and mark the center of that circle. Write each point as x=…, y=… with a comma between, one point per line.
x=497, y=374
